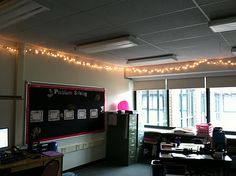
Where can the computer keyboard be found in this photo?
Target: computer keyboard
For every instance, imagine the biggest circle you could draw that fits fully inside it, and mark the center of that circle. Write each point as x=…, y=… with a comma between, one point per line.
x=10, y=158
x=7, y=160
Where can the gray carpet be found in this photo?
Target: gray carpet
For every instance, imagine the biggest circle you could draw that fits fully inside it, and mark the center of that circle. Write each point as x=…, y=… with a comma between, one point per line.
x=105, y=169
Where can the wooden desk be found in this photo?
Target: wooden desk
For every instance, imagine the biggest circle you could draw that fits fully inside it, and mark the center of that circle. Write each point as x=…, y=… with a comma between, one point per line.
x=153, y=138
x=27, y=164
x=173, y=148
x=196, y=163
x=192, y=159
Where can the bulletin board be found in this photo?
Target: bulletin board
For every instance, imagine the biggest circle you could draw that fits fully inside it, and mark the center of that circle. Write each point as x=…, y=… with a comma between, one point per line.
x=58, y=111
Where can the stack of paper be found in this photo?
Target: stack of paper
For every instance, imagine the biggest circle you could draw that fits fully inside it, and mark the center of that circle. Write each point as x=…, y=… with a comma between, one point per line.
x=178, y=155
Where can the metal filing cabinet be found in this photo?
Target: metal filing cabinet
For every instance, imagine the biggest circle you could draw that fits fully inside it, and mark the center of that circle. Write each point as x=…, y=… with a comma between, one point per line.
x=122, y=135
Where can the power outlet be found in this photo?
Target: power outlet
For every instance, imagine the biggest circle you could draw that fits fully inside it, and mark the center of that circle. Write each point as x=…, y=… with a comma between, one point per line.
x=63, y=150
x=60, y=149
x=90, y=144
x=79, y=146
x=86, y=145
x=71, y=148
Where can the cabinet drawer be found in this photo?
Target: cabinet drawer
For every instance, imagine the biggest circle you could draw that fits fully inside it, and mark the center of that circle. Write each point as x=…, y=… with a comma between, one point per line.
x=133, y=118
x=132, y=133
x=132, y=140
x=132, y=147
x=132, y=130
x=132, y=159
x=132, y=123
x=132, y=153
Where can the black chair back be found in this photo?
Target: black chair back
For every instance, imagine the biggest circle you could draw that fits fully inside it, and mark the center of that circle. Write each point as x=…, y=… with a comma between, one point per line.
x=51, y=168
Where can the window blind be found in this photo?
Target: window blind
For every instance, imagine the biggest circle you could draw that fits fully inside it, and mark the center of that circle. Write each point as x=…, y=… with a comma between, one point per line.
x=221, y=81
x=150, y=84
x=185, y=83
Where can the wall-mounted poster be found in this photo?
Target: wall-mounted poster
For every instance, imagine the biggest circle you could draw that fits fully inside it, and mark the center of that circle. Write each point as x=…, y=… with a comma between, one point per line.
x=69, y=114
x=63, y=110
x=81, y=114
x=36, y=116
x=53, y=115
x=93, y=113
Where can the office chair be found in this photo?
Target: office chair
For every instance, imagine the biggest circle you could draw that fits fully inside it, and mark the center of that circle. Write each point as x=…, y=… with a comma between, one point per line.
x=51, y=168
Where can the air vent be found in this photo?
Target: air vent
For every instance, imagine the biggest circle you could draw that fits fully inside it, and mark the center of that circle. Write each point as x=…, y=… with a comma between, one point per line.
x=14, y=11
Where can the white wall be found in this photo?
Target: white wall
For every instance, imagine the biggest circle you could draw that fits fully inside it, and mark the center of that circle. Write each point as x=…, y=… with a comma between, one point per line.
x=46, y=69
x=41, y=68
x=7, y=82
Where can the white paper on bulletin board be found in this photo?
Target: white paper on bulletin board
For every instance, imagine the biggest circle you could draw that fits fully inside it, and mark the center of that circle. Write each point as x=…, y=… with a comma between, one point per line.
x=81, y=114
x=112, y=119
x=36, y=116
x=68, y=114
x=93, y=113
x=53, y=115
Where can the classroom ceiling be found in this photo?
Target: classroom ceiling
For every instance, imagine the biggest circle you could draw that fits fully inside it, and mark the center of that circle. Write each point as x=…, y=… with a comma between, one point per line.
x=159, y=27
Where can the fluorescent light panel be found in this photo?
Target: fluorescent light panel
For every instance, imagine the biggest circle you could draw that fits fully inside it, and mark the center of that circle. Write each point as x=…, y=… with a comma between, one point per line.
x=107, y=45
x=233, y=50
x=161, y=59
x=14, y=11
x=223, y=25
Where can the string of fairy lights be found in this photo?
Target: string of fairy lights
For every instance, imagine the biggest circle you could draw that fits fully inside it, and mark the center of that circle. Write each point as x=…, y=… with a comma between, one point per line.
x=182, y=67
x=8, y=49
x=158, y=69
x=78, y=60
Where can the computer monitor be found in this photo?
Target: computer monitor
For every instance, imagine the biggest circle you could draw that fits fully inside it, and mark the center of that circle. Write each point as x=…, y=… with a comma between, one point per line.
x=4, y=137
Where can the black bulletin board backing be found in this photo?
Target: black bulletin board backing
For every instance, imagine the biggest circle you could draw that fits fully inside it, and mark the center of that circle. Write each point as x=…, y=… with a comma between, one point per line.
x=58, y=111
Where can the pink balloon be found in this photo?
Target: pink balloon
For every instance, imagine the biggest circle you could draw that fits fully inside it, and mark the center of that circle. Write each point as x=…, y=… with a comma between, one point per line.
x=123, y=105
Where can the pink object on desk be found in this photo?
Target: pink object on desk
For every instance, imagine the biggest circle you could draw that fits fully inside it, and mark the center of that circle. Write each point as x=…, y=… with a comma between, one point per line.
x=204, y=129
x=51, y=153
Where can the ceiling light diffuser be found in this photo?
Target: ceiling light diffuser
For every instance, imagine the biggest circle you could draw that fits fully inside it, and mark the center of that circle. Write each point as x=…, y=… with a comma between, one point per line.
x=107, y=45
x=233, y=51
x=13, y=11
x=223, y=25
x=152, y=60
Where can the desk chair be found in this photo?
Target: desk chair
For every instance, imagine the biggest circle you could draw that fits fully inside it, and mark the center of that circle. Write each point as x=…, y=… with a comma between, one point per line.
x=51, y=168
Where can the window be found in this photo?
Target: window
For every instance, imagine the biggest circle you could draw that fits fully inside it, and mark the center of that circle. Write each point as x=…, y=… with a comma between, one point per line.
x=223, y=108
x=151, y=104
x=217, y=106
x=187, y=107
x=187, y=102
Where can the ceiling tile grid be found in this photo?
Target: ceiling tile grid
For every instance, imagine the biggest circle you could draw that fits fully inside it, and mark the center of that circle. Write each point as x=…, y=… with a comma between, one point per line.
x=159, y=26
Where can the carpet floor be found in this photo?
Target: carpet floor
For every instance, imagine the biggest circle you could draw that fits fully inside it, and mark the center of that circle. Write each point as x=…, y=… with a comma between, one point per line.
x=138, y=169
x=106, y=169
